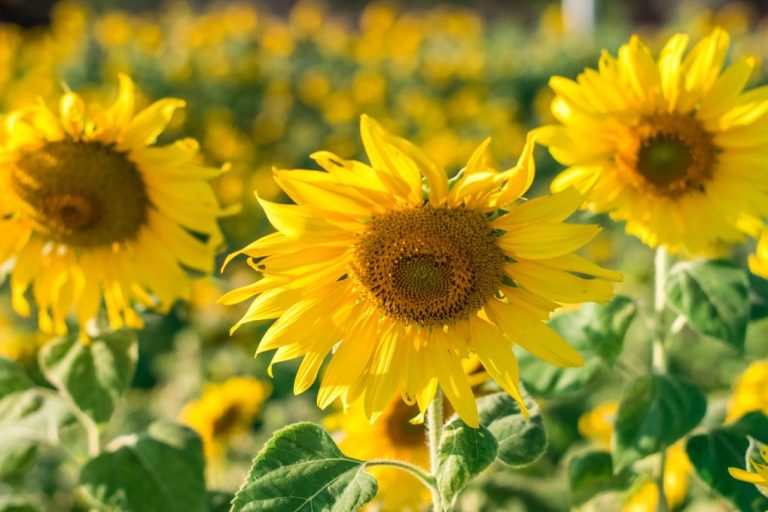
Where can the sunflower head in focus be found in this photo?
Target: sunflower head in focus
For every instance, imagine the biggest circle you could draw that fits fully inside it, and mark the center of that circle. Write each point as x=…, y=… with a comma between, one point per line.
x=392, y=436
x=402, y=276
x=750, y=392
x=91, y=210
x=225, y=410
x=673, y=144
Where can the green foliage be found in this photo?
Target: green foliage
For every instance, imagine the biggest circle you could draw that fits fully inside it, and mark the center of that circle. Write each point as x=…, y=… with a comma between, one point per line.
x=161, y=470
x=464, y=452
x=93, y=375
x=12, y=378
x=713, y=296
x=654, y=412
x=521, y=440
x=302, y=470
x=597, y=331
x=591, y=473
x=714, y=452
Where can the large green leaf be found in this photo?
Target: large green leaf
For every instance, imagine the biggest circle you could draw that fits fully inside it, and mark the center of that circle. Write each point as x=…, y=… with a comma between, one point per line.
x=27, y=419
x=302, y=470
x=597, y=331
x=157, y=471
x=94, y=375
x=714, y=452
x=591, y=473
x=713, y=296
x=654, y=412
x=521, y=440
x=464, y=452
x=12, y=378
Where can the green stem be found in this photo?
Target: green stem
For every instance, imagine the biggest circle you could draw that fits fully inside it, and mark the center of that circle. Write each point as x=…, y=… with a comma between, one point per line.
x=434, y=432
x=93, y=435
x=427, y=479
x=659, y=358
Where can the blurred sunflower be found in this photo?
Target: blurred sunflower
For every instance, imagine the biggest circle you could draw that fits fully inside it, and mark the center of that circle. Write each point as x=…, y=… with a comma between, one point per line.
x=757, y=472
x=393, y=436
x=597, y=424
x=225, y=410
x=402, y=278
x=750, y=392
x=15, y=342
x=91, y=210
x=673, y=146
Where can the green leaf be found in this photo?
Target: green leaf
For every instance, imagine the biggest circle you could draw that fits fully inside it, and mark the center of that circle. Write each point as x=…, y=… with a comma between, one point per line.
x=463, y=454
x=93, y=375
x=654, y=412
x=157, y=471
x=714, y=452
x=521, y=441
x=27, y=419
x=12, y=378
x=713, y=296
x=302, y=470
x=597, y=331
x=591, y=473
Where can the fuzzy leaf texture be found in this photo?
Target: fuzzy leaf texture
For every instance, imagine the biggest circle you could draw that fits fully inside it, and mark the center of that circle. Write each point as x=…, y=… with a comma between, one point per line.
x=521, y=441
x=95, y=375
x=713, y=296
x=302, y=470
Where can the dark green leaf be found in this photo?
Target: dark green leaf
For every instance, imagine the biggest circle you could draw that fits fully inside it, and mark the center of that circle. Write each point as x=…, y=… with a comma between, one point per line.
x=521, y=441
x=591, y=473
x=723, y=447
x=157, y=471
x=758, y=297
x=654, y=412
x=94, y=375
x=12, y=378
x=713, y=297
x=464, y=452
x=302, y=470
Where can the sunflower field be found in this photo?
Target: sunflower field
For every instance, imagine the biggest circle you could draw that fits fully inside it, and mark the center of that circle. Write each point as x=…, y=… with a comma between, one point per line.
x=488, y=256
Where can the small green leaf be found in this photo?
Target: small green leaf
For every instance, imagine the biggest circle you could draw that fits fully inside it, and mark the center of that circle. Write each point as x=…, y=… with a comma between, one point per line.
x=27, y=419
x=654, y=412
x=12, y=378
x=157, y=471
x=463, y=454
x=597, y=331
x=723, y=447
x=521, y=441
x=713, y=296
x=591, y=473
x=94, y=375
x=302, y=470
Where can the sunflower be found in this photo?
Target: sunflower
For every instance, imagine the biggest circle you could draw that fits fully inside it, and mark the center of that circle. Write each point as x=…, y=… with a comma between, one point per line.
x=674, y=146
x=750, y=392
x=91, y=210
x=403, y=278
x=757, y=473
x=393, y=436
x=597, y=424
x=225, y=410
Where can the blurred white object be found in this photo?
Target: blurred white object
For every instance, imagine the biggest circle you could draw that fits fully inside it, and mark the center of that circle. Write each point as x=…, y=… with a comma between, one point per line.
x=579, y=17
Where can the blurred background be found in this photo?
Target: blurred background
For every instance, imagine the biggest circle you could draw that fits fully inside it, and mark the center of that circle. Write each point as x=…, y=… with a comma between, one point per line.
x=268, y=83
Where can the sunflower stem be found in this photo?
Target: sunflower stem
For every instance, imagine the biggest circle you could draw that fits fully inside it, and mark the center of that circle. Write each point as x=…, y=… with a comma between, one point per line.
x=659, y=358
x=425, y=478
x=434, y=432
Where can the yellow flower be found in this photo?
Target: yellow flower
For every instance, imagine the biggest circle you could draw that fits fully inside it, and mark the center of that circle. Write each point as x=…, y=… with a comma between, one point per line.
x=677, y=472
x=225, y=410
x=393, y=436
x=402, y=283
x=750, y=392
x=598, y=423
x=674, y=146
x=17, y=343
x=90, y=210
x=758, y=474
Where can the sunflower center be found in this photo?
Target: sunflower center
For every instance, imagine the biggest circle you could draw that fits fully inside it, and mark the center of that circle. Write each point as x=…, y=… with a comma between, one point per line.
x=227, y=421
x=428, y=266
x=400, y=430
x=82, y=194
x=668, y=154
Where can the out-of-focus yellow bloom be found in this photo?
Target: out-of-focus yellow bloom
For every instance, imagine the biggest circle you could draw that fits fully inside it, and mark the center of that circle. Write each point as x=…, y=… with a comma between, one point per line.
x=225, y=410
x=392, y=436
x=750, y=392
x=16, y=343
x=677, y=472
x=597, y=424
